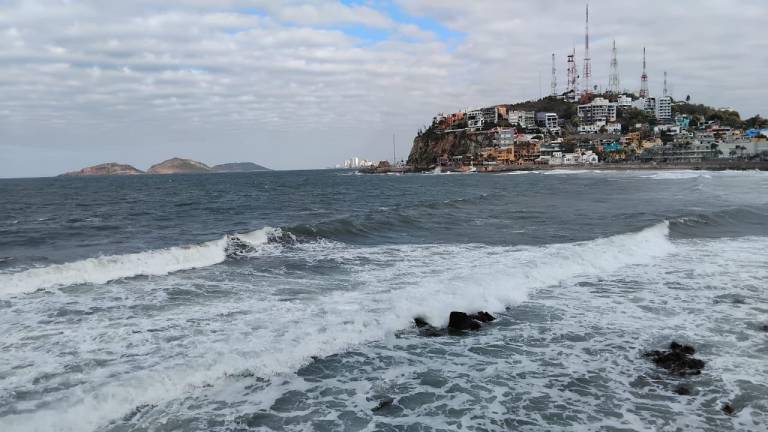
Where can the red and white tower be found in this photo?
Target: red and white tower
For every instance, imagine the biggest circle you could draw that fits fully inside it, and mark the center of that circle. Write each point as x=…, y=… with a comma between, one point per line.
x=573, y=75
x=587, y=59
x=644, y=79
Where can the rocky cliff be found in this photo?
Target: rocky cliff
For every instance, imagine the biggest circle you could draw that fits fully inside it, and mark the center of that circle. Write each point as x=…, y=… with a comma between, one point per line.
x=179, y=166
x=238, y=167
x=106, y=169
x=430, y=145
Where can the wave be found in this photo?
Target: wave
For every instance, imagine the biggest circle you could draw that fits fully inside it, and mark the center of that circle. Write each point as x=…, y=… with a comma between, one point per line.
x=101, y=270
x=392, y=285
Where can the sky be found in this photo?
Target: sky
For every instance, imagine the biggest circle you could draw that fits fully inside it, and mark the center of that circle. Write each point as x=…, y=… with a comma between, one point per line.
x=306, y=84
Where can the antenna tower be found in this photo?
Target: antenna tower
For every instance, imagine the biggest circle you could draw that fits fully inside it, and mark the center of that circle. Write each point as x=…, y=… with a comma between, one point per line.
x=573, y=74
x=666, y=92
x=587, y=59
x=613, y=82
x=644, y=79
x=553, y=85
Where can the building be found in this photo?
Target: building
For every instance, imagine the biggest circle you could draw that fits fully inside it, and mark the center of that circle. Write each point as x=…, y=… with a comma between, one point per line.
x=624, y=101
x=550, y=121
x=647, y=105
x=523, y=118
x=663, y=108
x=478, y=118
x=600, y=126
x=598, y=109
x=505, y=137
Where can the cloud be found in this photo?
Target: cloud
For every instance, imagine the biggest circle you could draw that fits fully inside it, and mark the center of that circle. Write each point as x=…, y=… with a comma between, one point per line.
x=307, y=84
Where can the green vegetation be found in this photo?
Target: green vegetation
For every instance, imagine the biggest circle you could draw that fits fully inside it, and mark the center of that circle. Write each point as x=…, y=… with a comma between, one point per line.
x=564, y=110
x=724, y=117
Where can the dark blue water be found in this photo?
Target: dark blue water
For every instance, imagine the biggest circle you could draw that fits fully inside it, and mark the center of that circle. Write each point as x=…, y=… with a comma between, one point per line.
x=284, y=301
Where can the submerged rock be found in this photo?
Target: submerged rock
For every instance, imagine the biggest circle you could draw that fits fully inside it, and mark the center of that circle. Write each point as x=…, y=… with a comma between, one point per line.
x=682, y=390
x=383, y=403
x=462, y=321
x=483, y=317
x=426, y=329
x=729, y=409
x=679, y=359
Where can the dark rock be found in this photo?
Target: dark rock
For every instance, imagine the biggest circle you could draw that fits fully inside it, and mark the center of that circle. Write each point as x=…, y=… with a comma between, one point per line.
x=682, y=390
x=483, y=317
x=383, y=403
x=138, y=410
x=462, y=321
x=678, y=360
x=420, y=323
x=764, y=328
x=729, y=409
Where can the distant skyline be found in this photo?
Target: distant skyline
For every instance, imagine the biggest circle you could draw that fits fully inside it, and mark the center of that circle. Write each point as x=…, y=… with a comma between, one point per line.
x=298, y=85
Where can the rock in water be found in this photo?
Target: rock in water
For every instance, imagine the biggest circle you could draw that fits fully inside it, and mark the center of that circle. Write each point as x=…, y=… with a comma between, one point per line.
x=483, y=317
x=683, y=390
x=420, y=322
x=729, y=409
x=462, y=321
x=677, y=360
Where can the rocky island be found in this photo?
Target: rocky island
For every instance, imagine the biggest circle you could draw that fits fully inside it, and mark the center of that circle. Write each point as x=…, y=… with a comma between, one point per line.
x=238, y=167
x=179, y=166
x=105, y=169
x=170, y=166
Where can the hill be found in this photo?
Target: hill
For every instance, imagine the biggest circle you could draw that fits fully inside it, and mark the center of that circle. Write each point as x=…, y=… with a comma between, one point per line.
x=179, y=166
x=238, y=167
x=105, y=169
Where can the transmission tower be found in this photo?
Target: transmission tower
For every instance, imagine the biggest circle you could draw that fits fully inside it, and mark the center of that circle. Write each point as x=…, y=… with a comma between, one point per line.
x=587, y=59
x=666, y=92
x=573, y=74
x=644, y=79
x=553, y=85
x=613, y=82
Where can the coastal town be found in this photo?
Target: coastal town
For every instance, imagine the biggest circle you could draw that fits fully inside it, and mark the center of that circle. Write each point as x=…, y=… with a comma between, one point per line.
x=584, y=124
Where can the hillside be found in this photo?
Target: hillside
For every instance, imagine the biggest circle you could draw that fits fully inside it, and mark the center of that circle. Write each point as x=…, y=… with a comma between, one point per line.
x=105, y=169
x=238, y=167
x=179, y=166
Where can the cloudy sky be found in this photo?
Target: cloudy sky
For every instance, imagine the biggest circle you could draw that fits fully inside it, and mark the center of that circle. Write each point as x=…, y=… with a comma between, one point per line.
x=306, y=84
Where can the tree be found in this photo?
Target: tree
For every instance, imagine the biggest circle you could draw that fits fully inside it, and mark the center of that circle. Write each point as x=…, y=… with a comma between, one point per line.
x=666, y=137
x=688, y=99
x=756, y=122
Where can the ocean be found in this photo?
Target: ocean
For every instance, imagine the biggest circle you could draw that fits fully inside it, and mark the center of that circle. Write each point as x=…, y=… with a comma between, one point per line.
x=284, y=301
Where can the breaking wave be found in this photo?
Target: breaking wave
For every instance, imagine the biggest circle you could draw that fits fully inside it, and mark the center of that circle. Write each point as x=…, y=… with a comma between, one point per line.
x=100, y=270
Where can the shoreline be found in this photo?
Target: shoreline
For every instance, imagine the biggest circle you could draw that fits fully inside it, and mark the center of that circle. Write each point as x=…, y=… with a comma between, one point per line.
x=650, y=166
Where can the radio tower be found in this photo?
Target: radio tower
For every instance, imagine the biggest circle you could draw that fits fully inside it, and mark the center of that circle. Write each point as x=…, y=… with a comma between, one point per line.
x=644, y=79
x=613, y=82
x=666, y=93
x=587, y=59
x=573, y=74
x=553, y=85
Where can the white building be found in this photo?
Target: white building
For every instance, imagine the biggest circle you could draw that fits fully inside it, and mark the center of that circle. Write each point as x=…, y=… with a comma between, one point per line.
x=523, y=118
x=598, y=109
x=596, y=127
x=663, y=108
x=624, y=101
x=549, y=121
x=648, y=105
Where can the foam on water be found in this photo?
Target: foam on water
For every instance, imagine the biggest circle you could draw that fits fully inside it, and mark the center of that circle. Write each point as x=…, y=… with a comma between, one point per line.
x=104, y=269
x=260, y=325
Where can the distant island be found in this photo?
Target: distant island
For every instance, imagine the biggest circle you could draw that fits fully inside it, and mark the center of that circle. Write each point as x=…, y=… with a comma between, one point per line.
x=170, y=166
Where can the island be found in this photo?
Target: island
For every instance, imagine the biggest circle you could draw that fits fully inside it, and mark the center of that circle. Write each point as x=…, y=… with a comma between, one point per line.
x=105, y=169
x=238, y=167
x=171, y=166
x=179, y=166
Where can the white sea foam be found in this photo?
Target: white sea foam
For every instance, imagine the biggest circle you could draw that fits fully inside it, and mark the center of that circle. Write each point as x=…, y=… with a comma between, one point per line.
x=273, y=335
x=100, y=270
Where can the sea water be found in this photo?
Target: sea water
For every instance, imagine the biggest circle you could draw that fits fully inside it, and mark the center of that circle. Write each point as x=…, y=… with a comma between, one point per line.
x=285, y=301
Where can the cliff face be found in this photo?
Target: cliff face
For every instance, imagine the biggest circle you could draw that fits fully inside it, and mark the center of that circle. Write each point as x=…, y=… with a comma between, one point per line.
x=179, y=166
x=431, y=145
x=239, y=167
x=106, y=169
